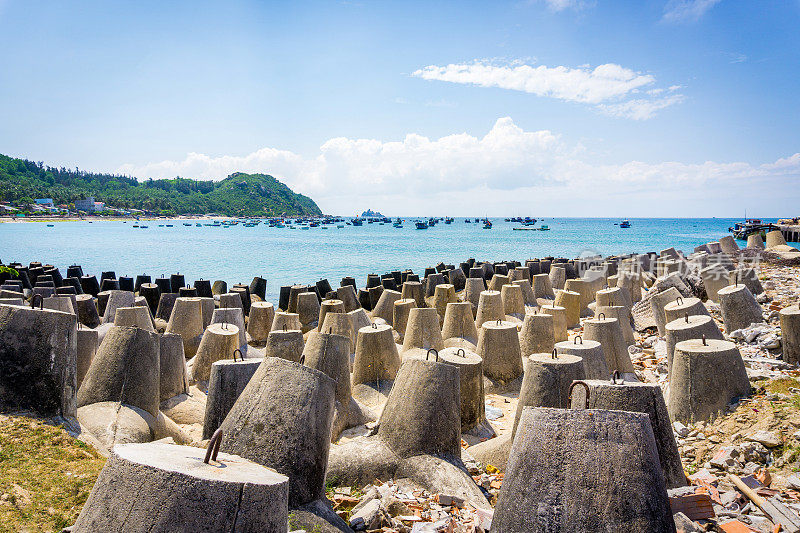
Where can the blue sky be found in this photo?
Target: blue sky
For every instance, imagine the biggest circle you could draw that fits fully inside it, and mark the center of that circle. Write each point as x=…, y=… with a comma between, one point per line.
x=559, y=107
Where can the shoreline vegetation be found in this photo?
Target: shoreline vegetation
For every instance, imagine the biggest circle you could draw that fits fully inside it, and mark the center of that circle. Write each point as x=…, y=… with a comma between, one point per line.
x=240, y=194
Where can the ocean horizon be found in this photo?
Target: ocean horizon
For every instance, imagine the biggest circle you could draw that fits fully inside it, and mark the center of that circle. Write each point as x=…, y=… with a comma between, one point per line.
x=287, y=256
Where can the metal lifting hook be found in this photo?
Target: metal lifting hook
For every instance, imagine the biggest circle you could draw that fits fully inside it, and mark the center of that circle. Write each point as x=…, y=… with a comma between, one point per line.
x=586, y=386
x=436, y=352
x=213, y=446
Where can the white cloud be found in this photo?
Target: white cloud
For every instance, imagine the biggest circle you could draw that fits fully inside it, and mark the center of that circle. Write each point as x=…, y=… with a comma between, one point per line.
x=687, y=10
x=640, y=109
x=508, y=170
x=608, y=85
x=584, y=85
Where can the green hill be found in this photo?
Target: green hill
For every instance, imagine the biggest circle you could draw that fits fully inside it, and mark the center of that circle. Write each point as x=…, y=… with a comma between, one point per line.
x=239, y=194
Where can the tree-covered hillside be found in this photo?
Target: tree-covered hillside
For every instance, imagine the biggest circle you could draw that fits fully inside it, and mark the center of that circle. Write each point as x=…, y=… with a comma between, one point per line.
x=237, y=195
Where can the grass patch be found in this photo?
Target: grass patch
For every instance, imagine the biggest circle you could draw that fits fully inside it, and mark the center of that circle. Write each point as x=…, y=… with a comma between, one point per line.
x=45, y=475
x=782, y=385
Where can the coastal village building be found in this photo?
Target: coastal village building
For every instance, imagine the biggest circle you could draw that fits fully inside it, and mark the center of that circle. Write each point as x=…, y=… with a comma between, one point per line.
x=86, y=205
x=89, y=205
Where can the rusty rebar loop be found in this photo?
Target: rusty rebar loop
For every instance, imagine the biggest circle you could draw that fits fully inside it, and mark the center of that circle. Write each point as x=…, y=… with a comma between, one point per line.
x=705, y=343
x=41, y=301
x=554, y=354
x=616, y=375
x=241, y=355
x=585, y=385
x=302, y=359
x=213, y=446
x=575, y=340
x=435, y=352
x=224, y=326
x=601, y=316
x=687, y=317
x=679, y=300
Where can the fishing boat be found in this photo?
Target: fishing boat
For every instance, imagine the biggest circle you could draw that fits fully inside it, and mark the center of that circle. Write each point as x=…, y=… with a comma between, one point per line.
x=50, y=225
x=544, y=227
x=421, y=224
x=751, y=226
x=487, y=224
x=187, y=224
x=625, y=224
x=467, y=221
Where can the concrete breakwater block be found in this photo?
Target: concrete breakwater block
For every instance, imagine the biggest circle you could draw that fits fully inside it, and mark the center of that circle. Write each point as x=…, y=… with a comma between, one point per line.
x=38, y=361
x=706, y=375
x=422, y=332
x=658, y=302
x=116, y=299
x=739, y=307
x=537, y=334
x=87, y=343
x=620, y=395
x=235, y=316
x=259, y=323
x=228, y=379
x=125, y=369
x=571, y=302
x=547, y=381
x=790, y=332
x=134, y=316
x=591, y=354
x=347, y=294
x=419, y=435
x=559, y=315
x=163, y=487
x=172, y=367
x=376, y=356
x=458, y=328
x=608, y=333
x=220, y=341
x=186, y=320
x=684, y=306
x=686, y=328
x=327, y=306
x=283, y=420
x=342, y=324
x=498, y=345
x=330, y=353
x=384, y=308
x=402, y=308
x=490, y=308
x=513, y=301
x=470, y=367
x=546, y=487
x=308, y=310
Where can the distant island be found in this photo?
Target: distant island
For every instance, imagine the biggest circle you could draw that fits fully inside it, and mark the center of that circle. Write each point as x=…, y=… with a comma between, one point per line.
x=29, y=187
x=369, y=213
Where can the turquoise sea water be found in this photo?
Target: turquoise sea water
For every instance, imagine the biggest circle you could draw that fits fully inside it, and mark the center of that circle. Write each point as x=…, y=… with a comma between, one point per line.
x=285, y=256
